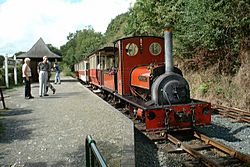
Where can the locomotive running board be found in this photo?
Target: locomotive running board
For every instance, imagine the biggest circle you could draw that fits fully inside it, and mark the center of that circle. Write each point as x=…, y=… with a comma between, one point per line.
x=131, y=100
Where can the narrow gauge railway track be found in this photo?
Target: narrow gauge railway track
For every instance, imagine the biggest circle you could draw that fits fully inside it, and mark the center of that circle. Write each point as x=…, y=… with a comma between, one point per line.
x=234, y=113
x=206, y=151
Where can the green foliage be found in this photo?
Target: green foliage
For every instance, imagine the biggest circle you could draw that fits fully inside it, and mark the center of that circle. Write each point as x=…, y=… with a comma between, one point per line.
x=2, y=79
x=11, y=76
x=1, y=61
x=54, y=49
x=143, y=18
x=66, y=70
x=116, y=28
x=19, y=53
x=210, y=25
x=80, y=44
x=219, y=90
x=203, y=88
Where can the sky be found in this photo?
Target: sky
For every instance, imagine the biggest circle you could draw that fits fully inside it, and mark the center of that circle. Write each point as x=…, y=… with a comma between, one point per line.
x=23, y=22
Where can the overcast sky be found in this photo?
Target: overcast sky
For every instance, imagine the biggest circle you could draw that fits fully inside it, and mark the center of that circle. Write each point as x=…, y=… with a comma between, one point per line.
x=23, y=22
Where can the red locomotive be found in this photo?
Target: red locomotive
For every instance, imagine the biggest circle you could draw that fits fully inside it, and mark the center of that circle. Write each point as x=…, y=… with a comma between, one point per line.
x=139, y=72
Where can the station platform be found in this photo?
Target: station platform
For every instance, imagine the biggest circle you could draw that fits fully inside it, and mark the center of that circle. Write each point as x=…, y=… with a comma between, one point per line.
x=51, y=130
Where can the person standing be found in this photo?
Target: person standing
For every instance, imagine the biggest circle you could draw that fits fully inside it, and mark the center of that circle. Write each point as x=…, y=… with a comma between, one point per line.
x=49, y=85
x=57, y=74
x=42, y=69
x=26, y=74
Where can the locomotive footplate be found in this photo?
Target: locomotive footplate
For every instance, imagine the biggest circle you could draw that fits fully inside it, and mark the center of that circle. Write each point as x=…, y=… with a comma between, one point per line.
x=177, y=116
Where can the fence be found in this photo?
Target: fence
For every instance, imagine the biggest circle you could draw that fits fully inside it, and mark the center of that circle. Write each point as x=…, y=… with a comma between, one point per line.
x=93, y=156
x=12, y=63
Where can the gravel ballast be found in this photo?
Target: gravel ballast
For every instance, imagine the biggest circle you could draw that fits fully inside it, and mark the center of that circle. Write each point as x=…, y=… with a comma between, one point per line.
x=224, y=130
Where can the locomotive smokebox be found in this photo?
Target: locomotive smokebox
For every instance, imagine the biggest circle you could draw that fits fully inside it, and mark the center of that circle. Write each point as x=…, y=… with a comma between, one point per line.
x=170, y=87
x=169, y=67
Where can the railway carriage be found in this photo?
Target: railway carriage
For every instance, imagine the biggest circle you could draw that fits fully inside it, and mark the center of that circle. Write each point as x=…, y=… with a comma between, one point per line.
x=139, y=72
x=101, y=62
x=82, y=71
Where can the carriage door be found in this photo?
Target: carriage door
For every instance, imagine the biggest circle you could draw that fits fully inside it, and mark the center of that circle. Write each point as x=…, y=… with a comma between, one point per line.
x=86, y=70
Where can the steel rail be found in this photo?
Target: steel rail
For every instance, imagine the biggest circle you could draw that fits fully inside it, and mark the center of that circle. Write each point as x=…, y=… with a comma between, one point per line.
x=233, y=153
x=247, y=113
x=194, y=153
x=235, y=113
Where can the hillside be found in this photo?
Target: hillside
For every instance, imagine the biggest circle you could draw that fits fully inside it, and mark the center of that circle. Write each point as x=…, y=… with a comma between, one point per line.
x=219, y=88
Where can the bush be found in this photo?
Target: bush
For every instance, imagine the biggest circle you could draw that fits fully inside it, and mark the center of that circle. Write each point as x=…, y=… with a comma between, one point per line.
x=203, y=88
x=66, y=70
x=11, y=76
x=2, y=79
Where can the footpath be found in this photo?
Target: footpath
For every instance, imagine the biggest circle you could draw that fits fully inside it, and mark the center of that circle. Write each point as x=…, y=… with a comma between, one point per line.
x=51, y=131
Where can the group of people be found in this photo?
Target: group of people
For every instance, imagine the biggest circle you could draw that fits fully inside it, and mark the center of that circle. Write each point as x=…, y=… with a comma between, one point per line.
x=44, y=70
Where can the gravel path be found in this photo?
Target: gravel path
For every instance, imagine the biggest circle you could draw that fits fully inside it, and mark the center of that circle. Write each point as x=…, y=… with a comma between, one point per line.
x=51, y=131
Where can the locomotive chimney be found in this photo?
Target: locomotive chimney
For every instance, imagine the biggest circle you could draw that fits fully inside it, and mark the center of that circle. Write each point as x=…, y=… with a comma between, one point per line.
x=168, y=49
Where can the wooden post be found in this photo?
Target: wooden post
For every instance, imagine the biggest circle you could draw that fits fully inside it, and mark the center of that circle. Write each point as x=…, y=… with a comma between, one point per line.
x=2, y=98
x=6, y=71
x=15, y=70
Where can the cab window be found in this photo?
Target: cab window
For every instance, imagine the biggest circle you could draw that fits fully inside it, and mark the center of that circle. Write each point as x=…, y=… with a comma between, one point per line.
x=155, y=48
x=131, y=49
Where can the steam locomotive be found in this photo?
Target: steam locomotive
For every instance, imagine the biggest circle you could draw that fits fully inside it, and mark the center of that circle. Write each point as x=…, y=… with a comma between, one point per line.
x=138, y=71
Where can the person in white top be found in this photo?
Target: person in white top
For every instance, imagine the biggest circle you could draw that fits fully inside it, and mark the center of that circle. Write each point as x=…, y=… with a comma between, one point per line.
x=26, y=74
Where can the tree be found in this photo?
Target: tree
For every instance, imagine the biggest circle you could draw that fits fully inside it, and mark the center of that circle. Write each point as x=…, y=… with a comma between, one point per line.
x=54, y=49
x=1, y=61
x=116, y=28
x=80, y=44
x=210, y=25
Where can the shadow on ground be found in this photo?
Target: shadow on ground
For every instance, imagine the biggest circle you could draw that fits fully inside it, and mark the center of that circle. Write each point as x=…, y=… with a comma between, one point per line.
x=145, y=151
x=15, y=111
x=14, y=128
x=69, y=80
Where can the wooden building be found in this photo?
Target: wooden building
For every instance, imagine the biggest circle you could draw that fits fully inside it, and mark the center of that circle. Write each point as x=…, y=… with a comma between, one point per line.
x=36, y=54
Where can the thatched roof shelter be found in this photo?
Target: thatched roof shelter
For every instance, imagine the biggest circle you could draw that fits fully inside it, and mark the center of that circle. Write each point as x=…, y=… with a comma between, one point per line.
x=39, y=50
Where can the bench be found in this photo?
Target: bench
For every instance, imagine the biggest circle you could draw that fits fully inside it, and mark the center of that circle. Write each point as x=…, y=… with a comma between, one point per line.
x=1, y=96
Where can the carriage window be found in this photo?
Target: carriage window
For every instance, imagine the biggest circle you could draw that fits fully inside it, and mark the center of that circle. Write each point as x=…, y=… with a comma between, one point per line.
x=155, y=49
x=131, y=49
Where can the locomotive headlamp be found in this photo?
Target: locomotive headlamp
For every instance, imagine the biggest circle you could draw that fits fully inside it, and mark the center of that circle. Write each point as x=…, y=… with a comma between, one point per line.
x=205, y=111
x=162, y=134
x=135, y=111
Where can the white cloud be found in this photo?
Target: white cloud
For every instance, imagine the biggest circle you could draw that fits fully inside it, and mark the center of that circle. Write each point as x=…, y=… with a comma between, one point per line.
x=23, y=22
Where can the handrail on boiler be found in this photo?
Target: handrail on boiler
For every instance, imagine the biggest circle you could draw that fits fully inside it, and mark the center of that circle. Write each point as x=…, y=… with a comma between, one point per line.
x=93, y=156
